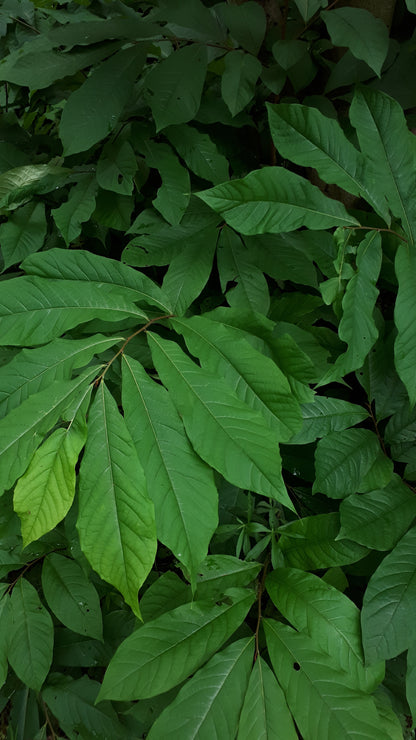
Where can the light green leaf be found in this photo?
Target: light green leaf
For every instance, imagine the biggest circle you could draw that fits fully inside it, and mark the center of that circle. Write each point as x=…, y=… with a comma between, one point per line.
x=365, y=35
x=115, y=520
x=209, y=703
x=217, y=573
x=176, y=95
x=389, y=603
x=235, y=265
x=274, y=199
x=405, y=319
x=116, y=167
x=31, y=635
x=265, y=714
x=34, y=310
x=164, y=652
x=70, y=216
x=189, y=271
x=21, y=183
x=71, y=596
x=324, y=701
x=308, y=138
x=23, y=233
x=223, y=430
x=238, y=82
x=411, y=5
x=92, y=111
x=327, y=415
x=328, y=617
x=174, y=194
x=311, y=543
x=179, y=483
x=254, y=378
x=343, y=459
x=246, y=22
x=199, y=152
x=390, y=152
x=307, y=8
x=379, y=518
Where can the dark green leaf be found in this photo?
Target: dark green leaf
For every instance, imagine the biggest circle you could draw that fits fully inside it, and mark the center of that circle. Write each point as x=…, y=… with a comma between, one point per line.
x=31, y=635
x=23, y=234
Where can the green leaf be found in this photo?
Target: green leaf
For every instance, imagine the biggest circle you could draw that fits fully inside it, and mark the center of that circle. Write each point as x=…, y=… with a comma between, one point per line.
x=92, y=111
x=113, y=210
x=265, y=714
x=217, y=573
x=116, y=167
x=405, y=318
x=70, y=216
x=365, y=35
x=165, y=594
x=234, y=265
x=199, y=152
x=70, y=595
x=34, y=310
x=323, y=700
x=115, y=520
x=390, y=151
x=389, y=602
x=4, y=631
x=164, y=652
x=411, y=675
x=254, y=378
x=223, y=430
x=189, y=271
x=411, y=5
x=274, y=199
x=328, y=617
x=21, y=183
x=23, y=233
x=209, y=703
x=311, y=543
x=327, y=415
x=175, y=475
x=379, y=518
x=175, y=94
x=174, y=194
x=343, y=459
x=31, y=635
x=238, y=81
x=307, y=8
x=191, y=20
x=247, y=24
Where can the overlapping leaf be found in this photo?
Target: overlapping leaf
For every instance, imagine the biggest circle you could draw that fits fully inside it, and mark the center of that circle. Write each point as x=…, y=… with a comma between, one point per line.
x=30, y=636
x=327, y=415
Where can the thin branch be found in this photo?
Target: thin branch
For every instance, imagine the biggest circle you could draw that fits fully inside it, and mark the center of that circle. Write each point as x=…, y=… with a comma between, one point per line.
x=53, y=734
x=27, y=25
x=375, y=423
x=376, y=228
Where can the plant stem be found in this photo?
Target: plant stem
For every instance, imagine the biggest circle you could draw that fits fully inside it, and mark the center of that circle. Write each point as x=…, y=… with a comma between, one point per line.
x=376, y=228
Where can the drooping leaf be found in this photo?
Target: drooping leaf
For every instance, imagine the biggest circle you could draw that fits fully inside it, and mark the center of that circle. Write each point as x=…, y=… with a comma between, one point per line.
x=165, y=594
x=209, y=703
x=235, y=266
x=274, y=199
x=411, y=674
x=23, y=233
x=404, y=318
x=389, y=602
x=31, y=635
x=116, y=167
x=247, y=24
x=19, y=184
x=179, y=483
x=411, y=5
x=365, y=35
x=217, y=573
x=165, y=651
x=223, y=430
x=307, y=8
x=327, y=415
x=174, y=194
x=199, y=152
x=70, y=216
x=71, y=596
x=92, y=111
x=192, y=20
x=189, y=271
x=239, y=79
x=4, y=631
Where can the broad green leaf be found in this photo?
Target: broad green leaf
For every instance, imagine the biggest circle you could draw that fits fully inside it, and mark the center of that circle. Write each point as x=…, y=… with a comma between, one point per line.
x=238, y=81
x=199, y=152
x=289, y=52
x=32, y=370
x=78, y=264
x=21, y=431
x=307, y=8
x=357, y=327
x=254, y=378
x=70, y=216
x=327, y=415
x=93, y=110
x=405, y=318
x=311, y=543
x=284, y=256
x=115, y=519
x=274, y=199
x=379, y=518
x=175, y=94
x=4, y=631
x=411, y=674
x=44, y=494
x=235, y=266
x=31, y=635
x=390, y=152
x=113, y=210
x=116, y=167
x=71, y=596
x=23, y=233
x=390, y=721
x=343, y=459
x=34, y=310
x=164, y=652
x=328, y=617
x=189, y=271
x=179, y=483
x=191, y=20
x=223, y=430
x=174, y=194
x=380, y=379
x=21, y=183
x=323, y=700
x=72, y=703
x=365, y=35
x=209, y=703
x=246, y=22
x=165, y=594
x=389, y=603
x=84, y=33
x=308, y=138
x=265, y=714
x=217, y=573
x=411, y=5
